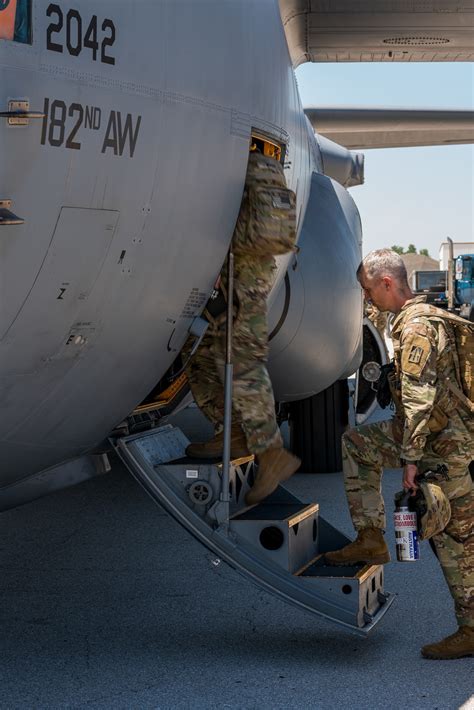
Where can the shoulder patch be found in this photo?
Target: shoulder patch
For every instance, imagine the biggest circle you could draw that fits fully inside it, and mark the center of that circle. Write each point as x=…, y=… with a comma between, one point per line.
x=415, y=354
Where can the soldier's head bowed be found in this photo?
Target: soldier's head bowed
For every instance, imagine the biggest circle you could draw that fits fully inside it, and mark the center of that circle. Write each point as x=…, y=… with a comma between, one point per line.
x=383, y=278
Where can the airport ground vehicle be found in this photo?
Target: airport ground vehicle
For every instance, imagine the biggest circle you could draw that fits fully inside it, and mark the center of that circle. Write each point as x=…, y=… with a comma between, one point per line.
x=452, y=288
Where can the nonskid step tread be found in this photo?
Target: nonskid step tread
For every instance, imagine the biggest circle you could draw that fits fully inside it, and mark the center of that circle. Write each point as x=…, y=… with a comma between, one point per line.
x=192, y=461
x=278, y=511
x=317, y=568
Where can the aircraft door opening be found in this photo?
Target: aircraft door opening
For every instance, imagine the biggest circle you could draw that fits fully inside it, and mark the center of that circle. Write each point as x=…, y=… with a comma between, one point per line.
x=268, y=146
x=170, y=391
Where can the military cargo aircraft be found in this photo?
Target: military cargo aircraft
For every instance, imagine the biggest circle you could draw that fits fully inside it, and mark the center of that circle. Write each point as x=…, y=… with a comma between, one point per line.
x=124, y=138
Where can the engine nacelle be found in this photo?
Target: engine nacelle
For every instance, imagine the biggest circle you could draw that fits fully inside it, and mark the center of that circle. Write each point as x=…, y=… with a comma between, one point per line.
x=315, y=319
x=341, y=164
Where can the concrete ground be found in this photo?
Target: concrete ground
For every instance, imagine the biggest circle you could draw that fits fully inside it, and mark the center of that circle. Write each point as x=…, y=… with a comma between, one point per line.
x=108, y=603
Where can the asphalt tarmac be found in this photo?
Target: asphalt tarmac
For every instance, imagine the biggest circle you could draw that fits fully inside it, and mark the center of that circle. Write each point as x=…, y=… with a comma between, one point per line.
x=108, y=603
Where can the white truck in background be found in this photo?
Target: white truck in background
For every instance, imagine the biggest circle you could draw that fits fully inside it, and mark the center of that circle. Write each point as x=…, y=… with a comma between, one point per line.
x=459, y=248
x=451, y=287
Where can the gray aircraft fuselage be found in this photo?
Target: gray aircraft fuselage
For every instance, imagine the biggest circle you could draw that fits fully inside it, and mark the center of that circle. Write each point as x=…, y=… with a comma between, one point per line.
x=129, y=187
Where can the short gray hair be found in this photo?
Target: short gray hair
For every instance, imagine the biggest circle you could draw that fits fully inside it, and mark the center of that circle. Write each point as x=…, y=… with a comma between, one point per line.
x=384, y=262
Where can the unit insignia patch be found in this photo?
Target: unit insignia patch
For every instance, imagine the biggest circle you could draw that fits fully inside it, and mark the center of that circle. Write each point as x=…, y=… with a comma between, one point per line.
x=415, y=355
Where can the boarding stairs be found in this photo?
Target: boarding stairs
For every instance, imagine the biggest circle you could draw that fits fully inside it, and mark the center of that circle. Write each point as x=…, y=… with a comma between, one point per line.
x=278, y=544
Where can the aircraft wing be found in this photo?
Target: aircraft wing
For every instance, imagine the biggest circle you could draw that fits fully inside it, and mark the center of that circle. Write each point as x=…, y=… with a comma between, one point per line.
x=379, y=30
x=392, y=127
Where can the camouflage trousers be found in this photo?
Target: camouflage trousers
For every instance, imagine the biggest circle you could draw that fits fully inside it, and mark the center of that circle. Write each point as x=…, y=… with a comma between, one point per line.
x=253, y=404
x=368, y=449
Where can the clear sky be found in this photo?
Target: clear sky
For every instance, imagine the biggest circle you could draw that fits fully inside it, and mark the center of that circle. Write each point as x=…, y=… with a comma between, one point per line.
x=410, y=195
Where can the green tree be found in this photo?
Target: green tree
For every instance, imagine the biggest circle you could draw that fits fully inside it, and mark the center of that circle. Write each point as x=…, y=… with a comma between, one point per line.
x=411, y=249
x=424, y=252
x=398, y=249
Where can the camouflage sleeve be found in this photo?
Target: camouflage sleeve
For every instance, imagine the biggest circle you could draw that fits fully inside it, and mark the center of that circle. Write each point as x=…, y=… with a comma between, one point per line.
x=419, y=354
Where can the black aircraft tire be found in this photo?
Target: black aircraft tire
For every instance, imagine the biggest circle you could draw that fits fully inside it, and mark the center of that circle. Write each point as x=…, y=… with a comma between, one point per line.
x=316, y=427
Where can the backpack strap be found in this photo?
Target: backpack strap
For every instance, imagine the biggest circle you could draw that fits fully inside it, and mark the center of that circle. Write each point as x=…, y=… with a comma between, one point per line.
x=460, y=395
x=425, y=309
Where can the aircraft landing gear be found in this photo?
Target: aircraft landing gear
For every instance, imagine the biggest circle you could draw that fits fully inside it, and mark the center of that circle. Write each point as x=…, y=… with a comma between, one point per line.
x=316, y=427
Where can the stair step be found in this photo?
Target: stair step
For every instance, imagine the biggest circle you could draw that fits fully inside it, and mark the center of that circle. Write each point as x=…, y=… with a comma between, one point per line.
x=317, y=567
x=291, y=513
x=295, y=538
x=285, y=531
x=308, y=564
x=193, y=461
x=167, y=444
x=359, y=586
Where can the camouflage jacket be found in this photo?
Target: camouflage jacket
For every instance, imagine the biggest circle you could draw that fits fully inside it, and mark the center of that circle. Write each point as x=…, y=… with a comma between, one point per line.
x=423, y=363
x=253, y=280
x=253, y=273
x=262, y=231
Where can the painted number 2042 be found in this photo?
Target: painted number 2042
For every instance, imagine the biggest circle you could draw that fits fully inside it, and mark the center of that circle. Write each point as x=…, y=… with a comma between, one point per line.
x=72, y=29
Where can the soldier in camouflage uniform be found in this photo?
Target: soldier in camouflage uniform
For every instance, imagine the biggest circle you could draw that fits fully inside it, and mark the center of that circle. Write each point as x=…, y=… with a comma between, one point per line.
x=253, y=408
x=254, y=427
x=430, y=426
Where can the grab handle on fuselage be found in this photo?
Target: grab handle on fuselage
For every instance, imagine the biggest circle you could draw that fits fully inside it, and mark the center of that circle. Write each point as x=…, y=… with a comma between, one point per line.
x=19, y=113
x=7, y=217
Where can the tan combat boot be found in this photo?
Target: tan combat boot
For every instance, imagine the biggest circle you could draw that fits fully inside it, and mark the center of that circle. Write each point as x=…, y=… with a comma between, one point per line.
x=214, y=448
x=369, y=547
x=458, y=645
x=274, y=467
